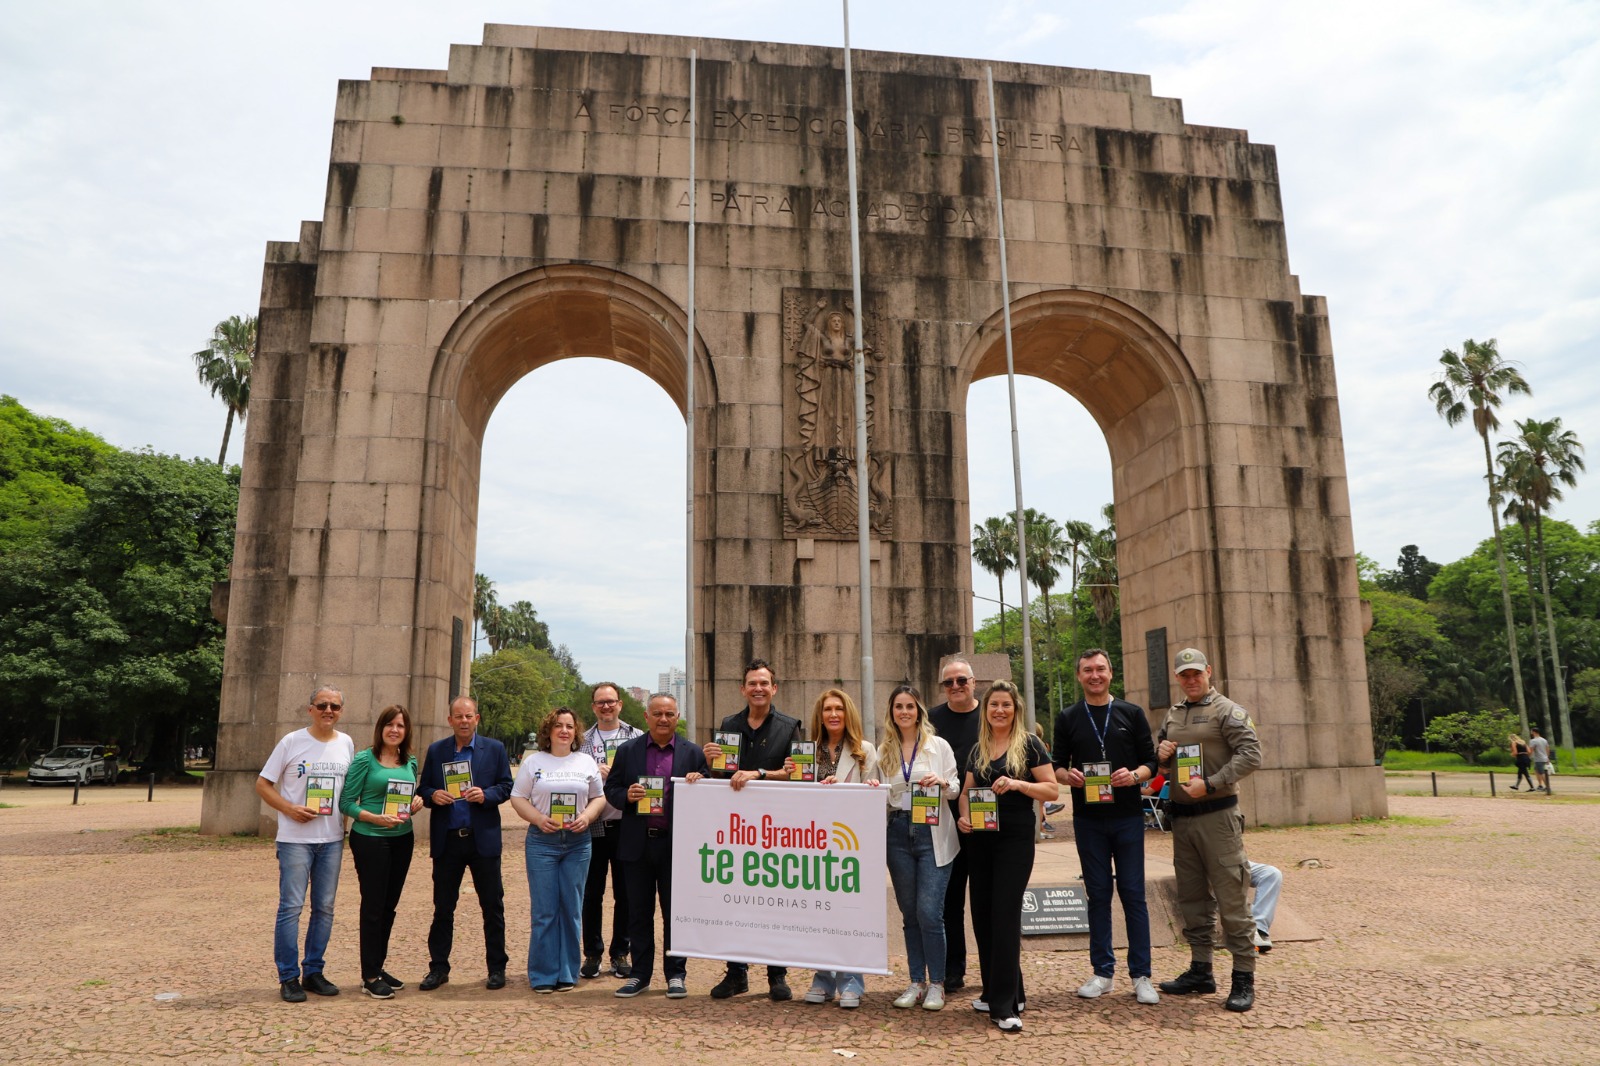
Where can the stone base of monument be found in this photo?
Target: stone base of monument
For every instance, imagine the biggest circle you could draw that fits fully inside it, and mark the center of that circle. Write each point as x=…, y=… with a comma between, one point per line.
x=1055, y=868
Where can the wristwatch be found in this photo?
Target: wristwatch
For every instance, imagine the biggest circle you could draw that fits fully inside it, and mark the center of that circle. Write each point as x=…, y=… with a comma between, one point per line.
x=1210, y=788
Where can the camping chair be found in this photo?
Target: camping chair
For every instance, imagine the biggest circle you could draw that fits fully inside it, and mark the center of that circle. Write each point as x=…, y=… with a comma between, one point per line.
x=1155, y=809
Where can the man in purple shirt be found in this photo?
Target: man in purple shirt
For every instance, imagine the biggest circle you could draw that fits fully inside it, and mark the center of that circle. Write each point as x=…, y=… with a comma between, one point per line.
x=644, y=840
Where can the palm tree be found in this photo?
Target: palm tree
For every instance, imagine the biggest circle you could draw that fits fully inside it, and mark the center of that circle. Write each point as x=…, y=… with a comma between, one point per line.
x=223, y=366
x=994, y=547
x=1476, y=382
x=1100, y=573
x=1046, y=550
x=484, y=606
x=516, y=626
x=1521, y=511
x=1077, y=534
x=1542, y=457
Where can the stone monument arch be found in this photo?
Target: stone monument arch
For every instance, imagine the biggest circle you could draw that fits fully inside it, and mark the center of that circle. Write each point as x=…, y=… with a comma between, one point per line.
x=529, y=202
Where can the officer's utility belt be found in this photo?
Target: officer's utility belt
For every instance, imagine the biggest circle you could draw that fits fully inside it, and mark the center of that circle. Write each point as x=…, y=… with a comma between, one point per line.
x=1188, y=810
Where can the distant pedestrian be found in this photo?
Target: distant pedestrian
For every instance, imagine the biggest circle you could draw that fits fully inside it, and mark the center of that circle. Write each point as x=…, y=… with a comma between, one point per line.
x=1524, y=760
x=1539, y=747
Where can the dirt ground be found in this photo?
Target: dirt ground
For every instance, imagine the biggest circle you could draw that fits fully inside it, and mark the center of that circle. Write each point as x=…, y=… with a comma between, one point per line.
x=1463, y=930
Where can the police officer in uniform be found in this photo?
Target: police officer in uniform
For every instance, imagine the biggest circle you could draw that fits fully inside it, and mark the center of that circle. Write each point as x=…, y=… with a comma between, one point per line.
x=1208, y=830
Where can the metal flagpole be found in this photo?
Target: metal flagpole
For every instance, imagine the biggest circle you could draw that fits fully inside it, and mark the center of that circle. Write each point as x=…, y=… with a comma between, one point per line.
x=688, y=408
x=1011, y=389
x=863, y=515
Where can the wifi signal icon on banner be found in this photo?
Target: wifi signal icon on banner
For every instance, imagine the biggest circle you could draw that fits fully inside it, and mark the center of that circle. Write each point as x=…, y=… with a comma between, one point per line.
x=844, y=838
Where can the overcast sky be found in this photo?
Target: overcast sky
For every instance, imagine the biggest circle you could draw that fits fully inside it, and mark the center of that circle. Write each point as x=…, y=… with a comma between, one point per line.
x=1438, y=184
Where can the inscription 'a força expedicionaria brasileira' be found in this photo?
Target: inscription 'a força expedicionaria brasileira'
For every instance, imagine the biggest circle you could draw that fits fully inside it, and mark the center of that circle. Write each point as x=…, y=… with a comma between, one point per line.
x=922, y=134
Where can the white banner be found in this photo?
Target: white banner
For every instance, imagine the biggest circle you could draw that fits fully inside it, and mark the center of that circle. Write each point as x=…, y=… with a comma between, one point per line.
x=781, y=873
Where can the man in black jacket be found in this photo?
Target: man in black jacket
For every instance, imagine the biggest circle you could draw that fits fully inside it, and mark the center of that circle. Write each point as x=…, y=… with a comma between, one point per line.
x=465, y=834
x=1104, y=752
x=764, y=738
x=644, y=841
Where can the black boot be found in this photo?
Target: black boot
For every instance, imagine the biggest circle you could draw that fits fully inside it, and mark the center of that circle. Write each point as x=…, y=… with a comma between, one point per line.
x=1197, y=978
x=1242, y=996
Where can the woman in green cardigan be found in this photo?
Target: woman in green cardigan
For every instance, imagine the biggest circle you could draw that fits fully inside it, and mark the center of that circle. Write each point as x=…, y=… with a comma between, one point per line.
x=380, y=793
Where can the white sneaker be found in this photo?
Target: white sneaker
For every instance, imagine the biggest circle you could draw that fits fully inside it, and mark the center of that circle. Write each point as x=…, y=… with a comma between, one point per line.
x=1144, y=991
x=934, y=1000
x=818, y=992
x=980, y=1006
x=910, y=997
x=1009, y=1025
x=1262, y=941
x=1095, y=987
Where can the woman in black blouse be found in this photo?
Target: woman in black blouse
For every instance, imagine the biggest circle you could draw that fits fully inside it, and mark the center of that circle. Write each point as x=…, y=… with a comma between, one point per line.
x=1014, y=764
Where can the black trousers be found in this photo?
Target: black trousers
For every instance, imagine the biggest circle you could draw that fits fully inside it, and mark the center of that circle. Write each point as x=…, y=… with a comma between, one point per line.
x=647, y=879
x=999, y=867
x=955, y=915
x=458, y=855
x=603, y=857
x=381, y=867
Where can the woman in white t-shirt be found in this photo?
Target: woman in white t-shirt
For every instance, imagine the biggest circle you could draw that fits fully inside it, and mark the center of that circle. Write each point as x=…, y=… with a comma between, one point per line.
x=843, y=756
x=912, y=757
x=558, y=792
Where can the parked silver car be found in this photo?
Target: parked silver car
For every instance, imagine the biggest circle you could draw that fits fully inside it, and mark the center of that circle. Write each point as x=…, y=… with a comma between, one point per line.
x=81, y=763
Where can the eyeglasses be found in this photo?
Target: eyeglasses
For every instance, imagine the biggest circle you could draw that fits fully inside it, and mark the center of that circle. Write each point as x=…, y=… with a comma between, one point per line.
x=955, y=682
x=326, y=706
x=606, y=703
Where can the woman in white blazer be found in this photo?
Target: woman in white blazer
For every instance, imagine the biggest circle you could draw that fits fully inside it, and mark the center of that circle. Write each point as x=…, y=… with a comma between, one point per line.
x=920, y=769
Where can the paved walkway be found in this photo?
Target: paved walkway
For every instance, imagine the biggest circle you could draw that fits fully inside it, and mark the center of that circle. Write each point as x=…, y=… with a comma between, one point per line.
x=1462, y=931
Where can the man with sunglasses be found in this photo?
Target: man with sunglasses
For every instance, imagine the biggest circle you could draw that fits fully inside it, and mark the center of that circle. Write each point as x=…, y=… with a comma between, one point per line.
x=956, y=721
x=302, y=780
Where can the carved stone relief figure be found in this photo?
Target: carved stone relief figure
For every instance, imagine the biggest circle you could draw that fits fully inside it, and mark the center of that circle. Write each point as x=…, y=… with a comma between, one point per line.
x=820, y=498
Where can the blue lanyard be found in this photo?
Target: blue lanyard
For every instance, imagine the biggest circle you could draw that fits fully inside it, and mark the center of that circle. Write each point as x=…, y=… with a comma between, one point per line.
x=1099, y=732
x=905, y=767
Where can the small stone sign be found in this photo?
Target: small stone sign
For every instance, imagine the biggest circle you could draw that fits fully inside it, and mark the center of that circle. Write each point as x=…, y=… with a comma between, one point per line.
x=1052, y=910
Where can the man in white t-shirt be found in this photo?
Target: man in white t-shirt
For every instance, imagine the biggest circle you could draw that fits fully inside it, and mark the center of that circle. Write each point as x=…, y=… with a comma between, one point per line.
x=302, y=781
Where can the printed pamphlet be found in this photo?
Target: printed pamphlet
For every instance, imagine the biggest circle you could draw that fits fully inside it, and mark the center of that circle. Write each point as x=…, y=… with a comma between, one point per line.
x=1097, y=782
x=397, y=798
x=1188, y=766
x=655, y=795
x=563, y=808
x=611, y=749
x=728, y=759
x=457, y=777
x=983, y=810
x=319, y=793
x=804, y=755
x=926, y=802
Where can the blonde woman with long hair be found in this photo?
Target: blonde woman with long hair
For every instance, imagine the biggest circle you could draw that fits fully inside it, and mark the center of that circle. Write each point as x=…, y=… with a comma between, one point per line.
x=919, y=855
x=1015, y=765
x=843, y=757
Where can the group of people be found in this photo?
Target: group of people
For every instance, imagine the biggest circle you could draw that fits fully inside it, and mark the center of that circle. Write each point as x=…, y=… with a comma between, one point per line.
x=583, y=794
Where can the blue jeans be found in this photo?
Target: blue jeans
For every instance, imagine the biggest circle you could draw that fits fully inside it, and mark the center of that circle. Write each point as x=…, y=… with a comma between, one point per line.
x=839, y=981
x=1100, y=842
x=558, y=866
x=299, y=865
x=919, y=884
x=1268, y=883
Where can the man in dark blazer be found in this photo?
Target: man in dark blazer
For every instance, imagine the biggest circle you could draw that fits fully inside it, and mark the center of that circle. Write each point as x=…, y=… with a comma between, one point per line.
x=644, y=841
x=465, y=834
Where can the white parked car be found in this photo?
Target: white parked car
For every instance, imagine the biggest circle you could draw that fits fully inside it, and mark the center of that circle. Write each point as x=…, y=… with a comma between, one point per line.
x=81, y=763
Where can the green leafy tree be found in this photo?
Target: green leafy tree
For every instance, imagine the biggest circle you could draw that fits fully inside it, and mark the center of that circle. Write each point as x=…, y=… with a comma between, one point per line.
x=515, y=689
x=1390, y=685
x=485, y=605
x=1411, y=574
x=223, y=366
x=1476, y=382
x=1537, y=462
x=1047, y=550
x=43, y=465
x=994, y=547
x=1471, y=733
x=1586, y=703
x=110, y=624
x=516, y=625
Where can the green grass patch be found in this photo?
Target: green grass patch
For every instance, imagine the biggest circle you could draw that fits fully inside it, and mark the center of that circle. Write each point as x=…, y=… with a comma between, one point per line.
x=9, y=806
x=189, y=838
x=1497, y=761
x=94, y=982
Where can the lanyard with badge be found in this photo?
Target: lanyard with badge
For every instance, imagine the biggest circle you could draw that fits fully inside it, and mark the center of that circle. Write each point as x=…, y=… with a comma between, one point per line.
x=1099, y=731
